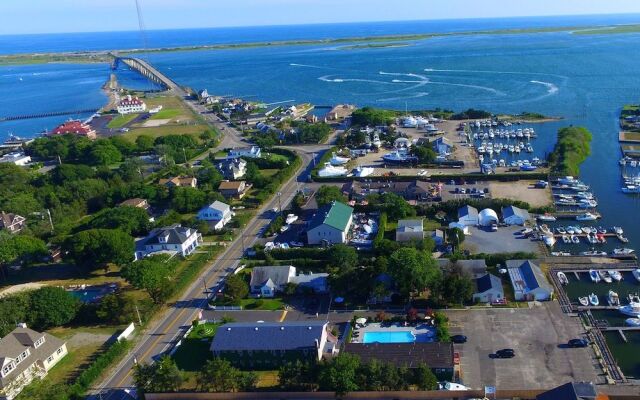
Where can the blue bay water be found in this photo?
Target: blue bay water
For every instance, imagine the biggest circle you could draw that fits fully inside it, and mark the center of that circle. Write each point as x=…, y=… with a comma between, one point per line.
x=584, y=79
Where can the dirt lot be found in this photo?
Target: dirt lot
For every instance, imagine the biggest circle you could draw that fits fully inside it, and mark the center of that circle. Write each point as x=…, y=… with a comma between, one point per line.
x=521, y=190
x=537, y=335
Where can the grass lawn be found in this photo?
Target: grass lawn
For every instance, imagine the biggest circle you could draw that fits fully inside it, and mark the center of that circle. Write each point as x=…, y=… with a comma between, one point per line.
x=62, y=275
x=262, y=304
x=169, y=113
x=121, y=120
x=164, y=130
x=431, y=224
x=268, y=173
x=267, y=379
x=194, y=351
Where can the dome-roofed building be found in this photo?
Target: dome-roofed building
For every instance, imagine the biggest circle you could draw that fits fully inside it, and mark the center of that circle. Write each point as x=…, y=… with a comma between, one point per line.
x=487, y=217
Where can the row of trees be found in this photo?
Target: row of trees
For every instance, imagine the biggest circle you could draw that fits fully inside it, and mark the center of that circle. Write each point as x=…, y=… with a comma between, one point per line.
x=572, y=148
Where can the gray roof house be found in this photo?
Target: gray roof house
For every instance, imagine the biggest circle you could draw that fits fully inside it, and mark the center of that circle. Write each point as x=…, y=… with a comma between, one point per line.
x=218, y=214
x=233, y=168
x=409, y=229
x=468, y=216
x=25, y=355
x=330, y=224
x=488, y=289
x=514, y=216
x=266, y=281
x=172, y=239
x=528, y=281
x=270, y=344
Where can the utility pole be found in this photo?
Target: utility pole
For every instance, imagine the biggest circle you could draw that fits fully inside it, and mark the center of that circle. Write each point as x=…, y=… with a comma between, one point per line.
x=50, y=220
x=138, y=313
x=204, y=283
x=280, y=202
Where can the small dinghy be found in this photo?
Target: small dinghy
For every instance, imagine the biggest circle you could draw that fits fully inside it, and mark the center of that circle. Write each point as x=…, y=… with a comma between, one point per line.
x=562, y=278
x=584, y=301
x=593, y=299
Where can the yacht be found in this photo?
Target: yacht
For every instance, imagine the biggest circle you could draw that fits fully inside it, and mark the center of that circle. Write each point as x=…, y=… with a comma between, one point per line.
x=583, y=300
x=594, y=253
x=452, y=386
x=622, y=252
x=566, y=239
x=549, y=240
x=632, y=322
x=330, y=170
x=606, y=276
x=562, y=278
x=561, y=230
x=546, y=218
x=586, y=217
x=636, y=274
x=595, y=277
x=630, y=189
x=399, y=157
x=613, y=298
x=337, y=160
x=575, y=239
x=618, y=230
x=632, y=309
x=616, y=275
x=593, y=299
x=545, y=229
x=361, y=171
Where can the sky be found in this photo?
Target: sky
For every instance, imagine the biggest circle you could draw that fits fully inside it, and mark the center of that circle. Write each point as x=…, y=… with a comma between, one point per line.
x=57, y=16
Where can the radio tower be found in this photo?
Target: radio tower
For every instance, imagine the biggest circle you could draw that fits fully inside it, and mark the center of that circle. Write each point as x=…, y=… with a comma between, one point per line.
x=143, y=34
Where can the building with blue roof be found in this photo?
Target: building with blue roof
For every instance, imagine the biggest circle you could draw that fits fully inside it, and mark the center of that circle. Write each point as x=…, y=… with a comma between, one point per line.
x=512, y=215
x=528, y=281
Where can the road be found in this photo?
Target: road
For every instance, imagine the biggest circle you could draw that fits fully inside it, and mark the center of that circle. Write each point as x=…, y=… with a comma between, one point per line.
x=162, y=333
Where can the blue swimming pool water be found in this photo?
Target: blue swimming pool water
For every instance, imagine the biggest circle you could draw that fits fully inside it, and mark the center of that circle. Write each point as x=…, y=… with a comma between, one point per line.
x=90, y=295
x=389, y=337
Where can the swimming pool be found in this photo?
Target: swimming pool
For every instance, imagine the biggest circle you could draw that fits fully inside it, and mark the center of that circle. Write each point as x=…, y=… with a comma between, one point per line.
x=92, y=294
x=389, y=337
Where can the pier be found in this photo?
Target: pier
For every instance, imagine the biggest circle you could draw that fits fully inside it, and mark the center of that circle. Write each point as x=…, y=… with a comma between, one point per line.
x=49, y=114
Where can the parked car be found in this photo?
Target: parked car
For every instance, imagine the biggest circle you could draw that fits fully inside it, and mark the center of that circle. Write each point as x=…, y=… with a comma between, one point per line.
x=505, y=353
x=578, y=343
x=459, y=339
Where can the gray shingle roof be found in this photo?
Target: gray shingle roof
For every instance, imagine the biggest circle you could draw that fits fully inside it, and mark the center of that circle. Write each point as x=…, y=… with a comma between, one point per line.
x=468, y=210
x=410, y=225
x=239, y=336
x=570, y=391
x=279, y=275
x=177, y=234
x=488, y=282
x=512, y=210
x=219, y=206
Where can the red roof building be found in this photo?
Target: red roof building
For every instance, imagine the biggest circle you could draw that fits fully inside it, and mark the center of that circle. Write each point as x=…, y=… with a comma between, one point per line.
x=130, y=105
x=75, y=127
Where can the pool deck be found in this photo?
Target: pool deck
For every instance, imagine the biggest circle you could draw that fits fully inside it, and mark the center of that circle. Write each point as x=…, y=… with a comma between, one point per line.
x=420, y=329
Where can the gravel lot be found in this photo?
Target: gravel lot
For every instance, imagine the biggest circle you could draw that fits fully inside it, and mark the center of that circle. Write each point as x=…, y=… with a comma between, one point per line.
x=521, y=190
x=505, y=240
x=537, y=335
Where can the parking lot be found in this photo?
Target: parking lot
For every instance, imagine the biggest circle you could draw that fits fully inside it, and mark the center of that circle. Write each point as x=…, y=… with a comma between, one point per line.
x=506, y=240
x=538, y=335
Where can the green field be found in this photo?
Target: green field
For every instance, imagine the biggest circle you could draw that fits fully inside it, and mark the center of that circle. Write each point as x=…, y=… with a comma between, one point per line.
x=121, y=120
x=262, y=304
x=194, y=130
x=169, y=113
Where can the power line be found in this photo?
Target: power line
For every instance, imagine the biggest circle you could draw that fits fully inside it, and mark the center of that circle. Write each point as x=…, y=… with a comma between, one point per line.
x=143, y=34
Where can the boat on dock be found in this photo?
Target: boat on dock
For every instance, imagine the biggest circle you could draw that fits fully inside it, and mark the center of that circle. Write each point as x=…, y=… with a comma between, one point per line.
x=606, y=276
x=631, y=309
x=575, y=239
x=594, y=253
x=595, y=277
x=616, y=275
x=636, y=274
x=593, y=299
x=586, y=217
x=562, y=278
x=632, y=322
x=622, y=251
x=546, y=218
x=613, y=298
x=583, y=300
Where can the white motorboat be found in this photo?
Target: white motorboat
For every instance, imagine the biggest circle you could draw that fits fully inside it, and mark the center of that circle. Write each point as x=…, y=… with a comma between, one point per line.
x=330, y=170
x=452, y=386
x=549, y=240
x=566, y=239
x=595, y=277
x=631, y=309
x=616, y=275
x=618, y=230
x=613, y=298
x=400, y=157
x=544, y=228
x=361, y=171
x=586, y=217
x=623, y=251
x=575, y=239
x=632, y=321
x=636, y=274
x=291, y=218
x=594, y=253
x=561, y=230
x=583, y=300
x=606, y=276
x=546, y=218
x=593, y=299
x=562, y=278
x=337, y=160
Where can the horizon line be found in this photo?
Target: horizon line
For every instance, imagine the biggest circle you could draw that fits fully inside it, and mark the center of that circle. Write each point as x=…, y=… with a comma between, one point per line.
x=324, y=23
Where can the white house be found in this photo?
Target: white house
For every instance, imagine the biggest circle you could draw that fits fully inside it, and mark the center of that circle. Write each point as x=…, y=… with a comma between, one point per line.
x=409, y=229
x=26, y=355
x=528, y=281
x=17, y=158
x=232, y=169
x=488, y=289
x=512, y=215
x=130, y=105
x=468, y=216
x=267, y=281
x=172, y=239
x=251, y=152
x=217, y=212
x=487, y=217
x=330, y=224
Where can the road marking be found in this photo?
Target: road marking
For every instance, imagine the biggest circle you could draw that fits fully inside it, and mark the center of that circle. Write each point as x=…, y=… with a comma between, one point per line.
x=283, y=316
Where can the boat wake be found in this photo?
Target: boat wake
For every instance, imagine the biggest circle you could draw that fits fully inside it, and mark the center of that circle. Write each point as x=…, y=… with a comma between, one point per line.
x=415, y=96
x=328, y=78
x=306, y=66
x=479, y=71
x=551, y=88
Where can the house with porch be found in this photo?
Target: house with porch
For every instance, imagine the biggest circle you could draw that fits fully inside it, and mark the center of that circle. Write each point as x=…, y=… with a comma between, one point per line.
x=232, y=169
x=173, y=240
x=233, y=189
x=218, y=214
x=12, y=223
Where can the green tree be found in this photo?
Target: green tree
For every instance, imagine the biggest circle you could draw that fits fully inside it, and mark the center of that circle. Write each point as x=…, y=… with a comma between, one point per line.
x=413, y=270
x=133, y=220
x=116, y=309
x=13, y=309
x=145, y=143
x=424, y=379
x=152, y=274
x=187, y=199
x=160, y=377
x=327, y=194
x=298, y=375
x=236, y=288
x=52, y=306
x=426, y=155
x=218, y=375
x=340, y=374
x=22, y=248
x=342, y=257
x=456, y=237
x=395, y=206
x=103, y=152
x=98, y=247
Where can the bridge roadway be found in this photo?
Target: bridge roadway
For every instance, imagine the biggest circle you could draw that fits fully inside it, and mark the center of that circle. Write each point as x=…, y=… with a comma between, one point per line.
x=164, y=330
